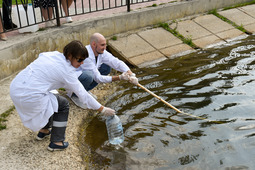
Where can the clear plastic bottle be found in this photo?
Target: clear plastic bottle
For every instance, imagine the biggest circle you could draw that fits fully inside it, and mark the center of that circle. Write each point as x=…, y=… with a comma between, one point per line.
x=114, y=130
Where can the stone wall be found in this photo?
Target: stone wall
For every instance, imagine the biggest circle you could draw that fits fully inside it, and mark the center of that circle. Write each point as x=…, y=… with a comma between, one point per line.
x=18, y=53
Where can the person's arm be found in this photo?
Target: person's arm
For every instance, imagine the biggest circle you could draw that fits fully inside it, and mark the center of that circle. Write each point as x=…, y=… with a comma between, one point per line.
x=115, y=78
x=119, y=65
x=100, y=109
x=106, y=111
x=71, y=82
x=114, y=62
x=129, y=72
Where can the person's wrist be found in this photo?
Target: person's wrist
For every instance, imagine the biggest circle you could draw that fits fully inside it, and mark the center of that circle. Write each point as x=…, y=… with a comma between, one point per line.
x=103, y=110
x=132, y=75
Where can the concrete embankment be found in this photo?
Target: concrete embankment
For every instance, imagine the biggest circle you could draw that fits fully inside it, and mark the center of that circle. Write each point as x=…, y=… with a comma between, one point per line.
x=22, y=49
x=18, y=146
x=151, y=45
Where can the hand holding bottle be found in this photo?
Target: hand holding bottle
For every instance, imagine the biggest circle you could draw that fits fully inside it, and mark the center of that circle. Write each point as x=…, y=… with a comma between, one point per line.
x=108, y=111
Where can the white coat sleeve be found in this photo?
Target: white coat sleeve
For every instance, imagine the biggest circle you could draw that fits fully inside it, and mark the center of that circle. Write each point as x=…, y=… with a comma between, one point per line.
x=72, y=83
x=101, y=78
x=114, y=62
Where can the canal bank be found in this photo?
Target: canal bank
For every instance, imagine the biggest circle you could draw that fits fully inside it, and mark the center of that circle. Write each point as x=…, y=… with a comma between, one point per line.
x=20, y=50
x=21, y=143
x=182, y=36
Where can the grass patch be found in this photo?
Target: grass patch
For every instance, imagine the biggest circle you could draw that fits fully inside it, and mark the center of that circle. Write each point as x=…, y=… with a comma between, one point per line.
x=3, y=117
x=186, y=40
x=18, y=1
x=240, y=5
x=239, y=27
x=153, y=5
x=42, y=29
x=114, y=38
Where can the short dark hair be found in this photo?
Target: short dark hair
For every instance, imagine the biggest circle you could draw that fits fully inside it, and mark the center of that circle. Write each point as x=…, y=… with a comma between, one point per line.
x=76, y=49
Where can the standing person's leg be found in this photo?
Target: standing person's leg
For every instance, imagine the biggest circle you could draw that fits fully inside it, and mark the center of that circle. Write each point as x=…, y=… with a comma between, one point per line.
x=65, y=8
x=104, y=70
x=59, y=123
x=47, y=15
x=45, y=131
x=47, y=11
x=70, y=3
x=7, y=9
x=2, y=36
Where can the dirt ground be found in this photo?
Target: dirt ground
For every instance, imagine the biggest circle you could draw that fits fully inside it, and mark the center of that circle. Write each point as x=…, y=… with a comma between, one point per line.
x=20, y=150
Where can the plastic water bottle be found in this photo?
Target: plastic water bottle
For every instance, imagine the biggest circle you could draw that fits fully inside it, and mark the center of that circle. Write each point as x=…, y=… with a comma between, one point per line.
x=114, y=130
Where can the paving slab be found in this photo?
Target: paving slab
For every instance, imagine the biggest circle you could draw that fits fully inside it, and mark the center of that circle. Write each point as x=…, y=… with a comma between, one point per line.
x=156, y=44
x=177, y=50
x=213, y=23
x=159, y=38
x=250, y=28
x=249, y=9
x=200, y=36
x=131, y=46
x=218, y=27
x=148, y=59
x=190, y=29
x=238, y=17
x=148, y=47
x=208, y=41
x=232, y=34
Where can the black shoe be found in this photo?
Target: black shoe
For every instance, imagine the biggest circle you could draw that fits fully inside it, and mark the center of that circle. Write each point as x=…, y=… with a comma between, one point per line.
x=10, y=26
x=41, y=136
x=53, y=147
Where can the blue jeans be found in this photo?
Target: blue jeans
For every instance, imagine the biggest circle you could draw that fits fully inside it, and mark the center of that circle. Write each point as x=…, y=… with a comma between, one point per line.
x=87, y=77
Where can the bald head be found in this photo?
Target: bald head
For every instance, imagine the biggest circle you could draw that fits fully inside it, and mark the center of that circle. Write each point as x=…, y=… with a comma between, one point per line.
x=98, y=43
x=96, y=37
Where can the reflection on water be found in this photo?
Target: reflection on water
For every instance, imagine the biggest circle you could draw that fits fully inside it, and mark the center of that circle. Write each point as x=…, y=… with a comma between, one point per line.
x=217, y=84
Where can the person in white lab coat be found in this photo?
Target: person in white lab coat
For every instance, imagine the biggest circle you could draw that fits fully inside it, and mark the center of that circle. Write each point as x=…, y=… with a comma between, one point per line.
x=98, y=65
x=38, y=108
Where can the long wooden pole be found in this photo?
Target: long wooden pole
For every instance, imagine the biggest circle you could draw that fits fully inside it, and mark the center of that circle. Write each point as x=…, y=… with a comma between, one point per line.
x=168, y=104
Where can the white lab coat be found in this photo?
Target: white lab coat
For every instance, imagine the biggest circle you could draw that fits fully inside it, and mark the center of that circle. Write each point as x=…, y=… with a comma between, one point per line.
x=107, y=58
x=30, y=89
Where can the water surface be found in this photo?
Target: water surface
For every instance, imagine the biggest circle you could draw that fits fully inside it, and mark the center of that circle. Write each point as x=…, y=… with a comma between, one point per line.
x=216, y=84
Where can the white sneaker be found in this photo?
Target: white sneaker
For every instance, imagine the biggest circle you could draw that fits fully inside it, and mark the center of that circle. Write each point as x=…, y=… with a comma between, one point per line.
x=49, y=24
x=95, y=97
x=69, y=20
x=77, y=102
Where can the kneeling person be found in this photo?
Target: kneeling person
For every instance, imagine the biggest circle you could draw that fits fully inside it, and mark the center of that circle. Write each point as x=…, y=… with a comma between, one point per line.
x=98, y=65
x=38, y=108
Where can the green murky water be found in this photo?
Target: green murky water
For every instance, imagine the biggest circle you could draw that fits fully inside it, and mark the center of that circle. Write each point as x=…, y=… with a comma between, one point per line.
x=217, y=84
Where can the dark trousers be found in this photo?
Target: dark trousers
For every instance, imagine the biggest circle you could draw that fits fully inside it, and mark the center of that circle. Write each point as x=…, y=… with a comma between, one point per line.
x=7, y=8
x=104, y=70
x=58, y=121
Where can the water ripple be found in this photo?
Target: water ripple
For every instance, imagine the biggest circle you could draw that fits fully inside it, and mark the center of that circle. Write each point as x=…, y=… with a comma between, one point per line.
x=216, y=84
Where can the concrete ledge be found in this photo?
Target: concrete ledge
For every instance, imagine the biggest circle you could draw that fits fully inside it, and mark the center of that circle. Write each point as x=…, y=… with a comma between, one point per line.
x=16, y=54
